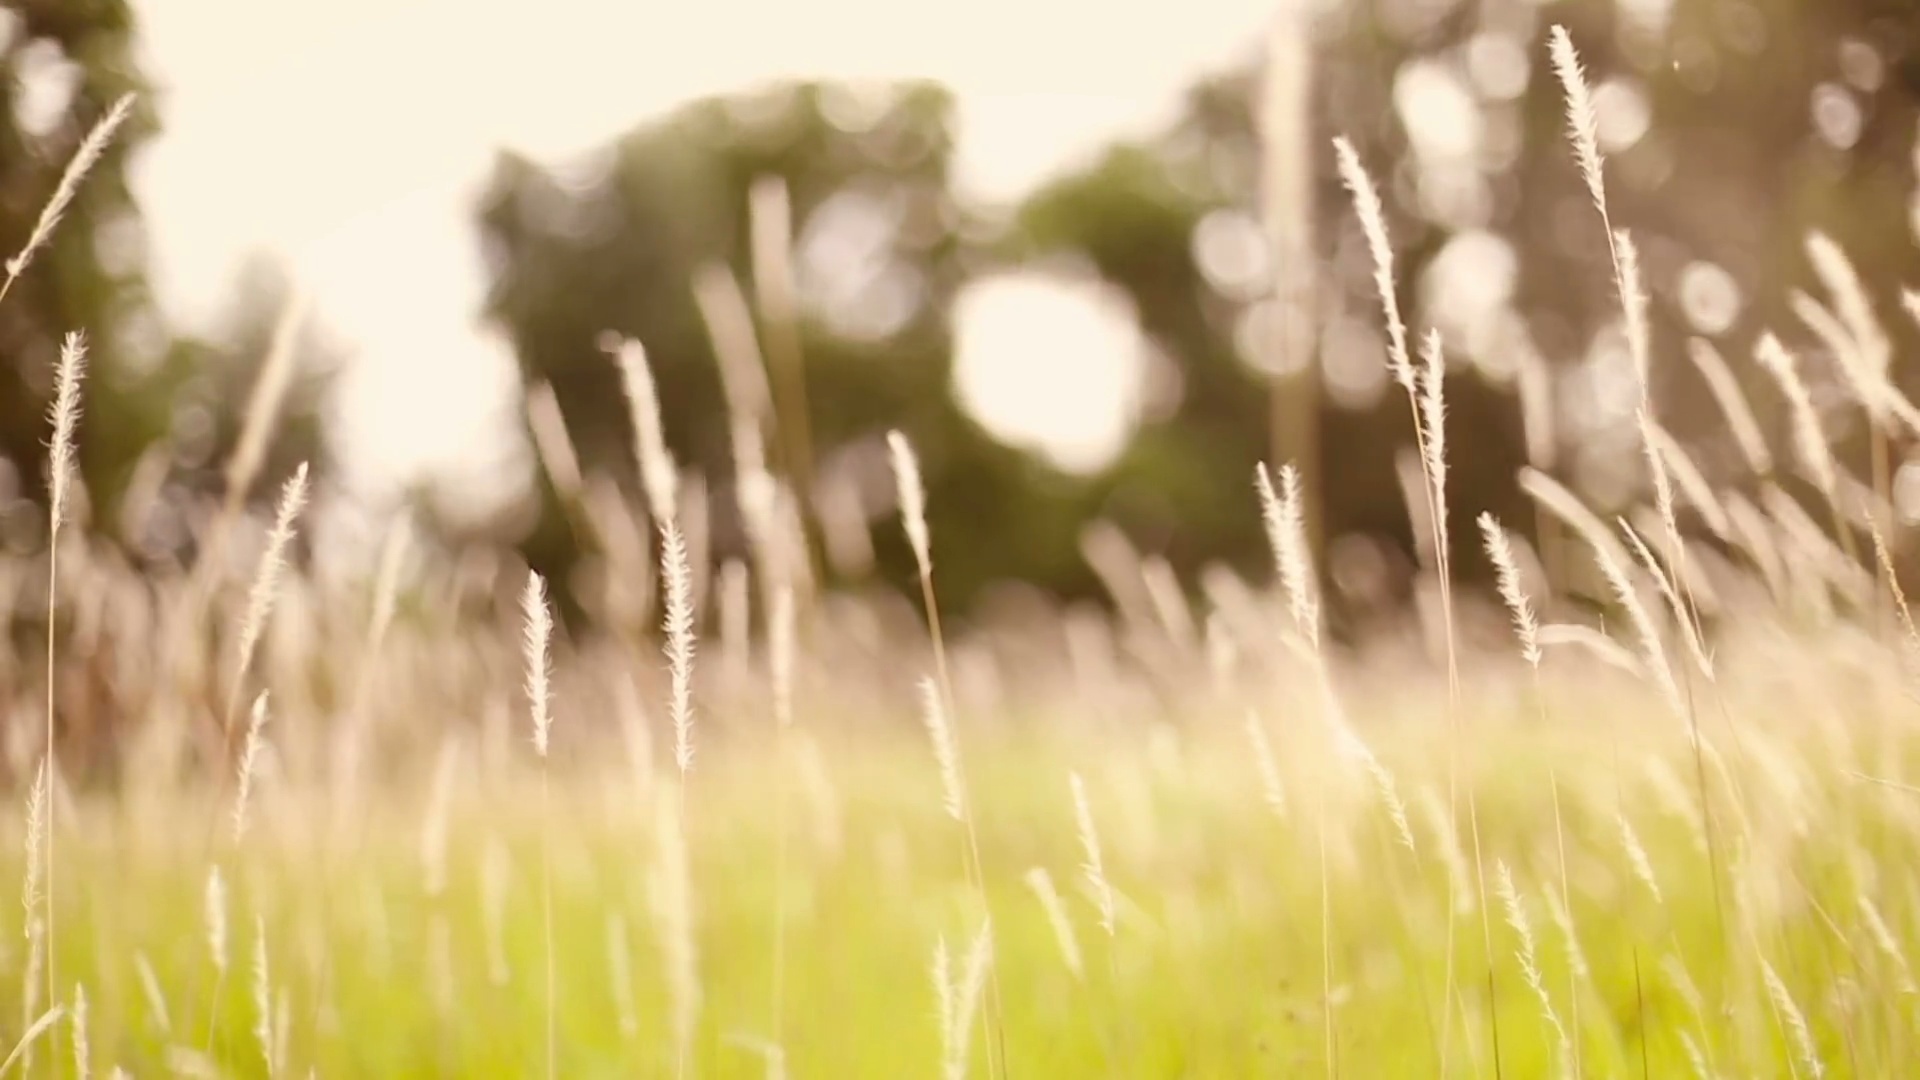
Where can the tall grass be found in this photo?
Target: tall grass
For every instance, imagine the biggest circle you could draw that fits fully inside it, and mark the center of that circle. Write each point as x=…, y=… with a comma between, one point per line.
x=1200, y=809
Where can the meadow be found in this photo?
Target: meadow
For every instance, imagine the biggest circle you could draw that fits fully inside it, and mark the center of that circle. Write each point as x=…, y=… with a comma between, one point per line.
x=274, y=824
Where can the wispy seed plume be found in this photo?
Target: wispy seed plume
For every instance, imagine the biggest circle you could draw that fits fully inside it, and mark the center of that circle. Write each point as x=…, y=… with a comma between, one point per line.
x=946, y=750
x=913, y=499
x=1373, y=224
x=1507, y=576
x=678, y=624
x=65, y=414
x=538, y=642
x=82, y=162
x=1583, y=125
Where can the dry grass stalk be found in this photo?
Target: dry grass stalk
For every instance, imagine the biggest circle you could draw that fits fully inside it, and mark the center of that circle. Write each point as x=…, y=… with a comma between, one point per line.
x=150, y=991
x=263, y=404
x=266, y=578
x=1792, y=1021
x=1733, y=405
x=1373, y=224
x=1280, y=512
x=1563, y=504
x=22, y=1049
x=82, y=1049
x=1689, y=481
x=1595, y=644
x=912, y=494
x=659, y=477
x=1041, y=882
x=1696, y=647
x=263, y=1027
x=1583, y=123
x=770, y=225
x=214, y=911
x=1094, y=868
x=673, y=912
x=552, y=444
x=1529, y=959
x=1809, y=440
x=84, y=159
x=946, y=750
x=729, y=323
x=1899, y=594
x=1637, y=858
x=1507, y=576
x=1272, y=790
x=538, y=644
x=60, y=464
x=913, y=500
x=1873, y=354
x=680, y=641
x=1652, y=649
x=249, y=760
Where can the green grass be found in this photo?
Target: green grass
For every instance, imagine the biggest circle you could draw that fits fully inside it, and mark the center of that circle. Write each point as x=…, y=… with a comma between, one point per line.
x=1216, y=966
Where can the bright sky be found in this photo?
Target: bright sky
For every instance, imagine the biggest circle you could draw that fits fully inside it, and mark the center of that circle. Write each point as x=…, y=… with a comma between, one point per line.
x=350, y=136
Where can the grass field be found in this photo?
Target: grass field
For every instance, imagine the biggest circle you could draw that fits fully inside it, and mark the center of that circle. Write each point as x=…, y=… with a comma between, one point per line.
x=307, y=828
x=405, y=934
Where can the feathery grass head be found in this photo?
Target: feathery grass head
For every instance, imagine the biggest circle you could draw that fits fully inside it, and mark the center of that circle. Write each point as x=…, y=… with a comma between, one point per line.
x=946, y=750
x=1286, y=534
x=1583, y=123
x=1837, y=273
x=1633, y=308
x=538, y=641
x=1433, y=421
x=55, y=208
x=973, y=979
x=678, y=623
x=65, y=414
x=1507, y=575
x=266, y=578
x=1793, y=1020
x=913, y=499
x=1528, y=953
x=249, y=759
x=1373, y=225
x=30, y=883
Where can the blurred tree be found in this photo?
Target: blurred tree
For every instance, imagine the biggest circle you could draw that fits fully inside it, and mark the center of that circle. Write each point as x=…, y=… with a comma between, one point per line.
x=62, y=65
x=1732, y=128
x=160, y=413
x=613, y=245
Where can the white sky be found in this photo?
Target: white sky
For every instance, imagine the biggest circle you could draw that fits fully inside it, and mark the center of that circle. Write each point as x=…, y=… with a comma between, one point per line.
x=350, y=136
